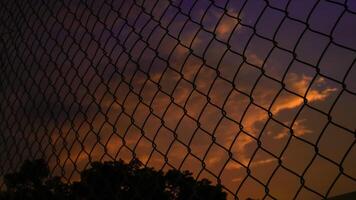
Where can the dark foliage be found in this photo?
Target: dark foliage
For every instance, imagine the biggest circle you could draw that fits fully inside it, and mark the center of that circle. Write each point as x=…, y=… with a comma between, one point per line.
x=109, y=180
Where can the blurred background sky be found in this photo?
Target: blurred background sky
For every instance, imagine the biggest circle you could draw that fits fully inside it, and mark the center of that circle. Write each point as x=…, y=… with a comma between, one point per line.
x=258, y=95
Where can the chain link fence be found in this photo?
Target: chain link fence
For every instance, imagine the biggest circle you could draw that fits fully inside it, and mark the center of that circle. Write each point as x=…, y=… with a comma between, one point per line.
x=257, y=95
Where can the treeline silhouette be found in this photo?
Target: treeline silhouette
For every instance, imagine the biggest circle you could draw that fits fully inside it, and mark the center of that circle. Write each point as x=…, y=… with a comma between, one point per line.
x=115, y=180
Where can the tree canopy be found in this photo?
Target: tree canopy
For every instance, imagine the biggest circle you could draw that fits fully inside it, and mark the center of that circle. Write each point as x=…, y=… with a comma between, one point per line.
x=114, y=180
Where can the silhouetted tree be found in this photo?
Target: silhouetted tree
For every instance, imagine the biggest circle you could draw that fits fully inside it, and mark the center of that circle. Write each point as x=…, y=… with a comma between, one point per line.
x=33, y=182
x=109, y=180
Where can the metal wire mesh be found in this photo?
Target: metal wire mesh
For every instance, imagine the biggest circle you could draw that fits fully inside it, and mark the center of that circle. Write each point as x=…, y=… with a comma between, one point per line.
x=256, y=95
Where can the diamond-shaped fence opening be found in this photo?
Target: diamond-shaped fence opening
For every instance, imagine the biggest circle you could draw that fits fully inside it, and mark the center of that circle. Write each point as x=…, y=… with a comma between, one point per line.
x=257, y=95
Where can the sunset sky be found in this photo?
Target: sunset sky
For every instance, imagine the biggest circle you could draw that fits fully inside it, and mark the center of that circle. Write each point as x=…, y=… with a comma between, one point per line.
x=260, y=97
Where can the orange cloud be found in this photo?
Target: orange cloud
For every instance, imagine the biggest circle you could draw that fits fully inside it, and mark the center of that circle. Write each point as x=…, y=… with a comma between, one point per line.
x=286, y=102
x=300, y=129
x=225, y=28
x=300, y=84
x=315, y=95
